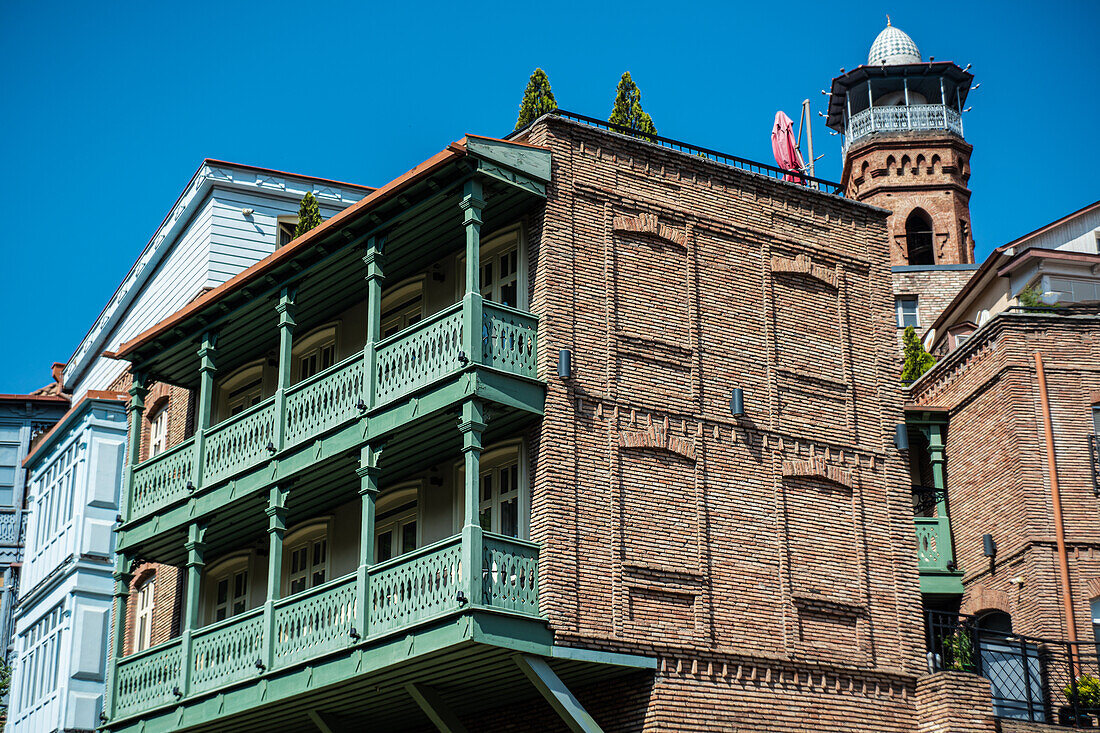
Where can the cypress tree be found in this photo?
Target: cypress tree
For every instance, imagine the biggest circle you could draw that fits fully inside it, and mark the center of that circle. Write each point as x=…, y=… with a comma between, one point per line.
x=917, y=360
x=628, y=110
x=308, y=215
x=537, y=99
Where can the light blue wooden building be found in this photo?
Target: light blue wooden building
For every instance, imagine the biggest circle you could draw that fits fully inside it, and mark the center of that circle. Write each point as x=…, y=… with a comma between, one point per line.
x=228, y=217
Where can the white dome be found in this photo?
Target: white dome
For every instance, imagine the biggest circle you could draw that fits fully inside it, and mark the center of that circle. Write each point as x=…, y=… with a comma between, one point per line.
x=893, y=47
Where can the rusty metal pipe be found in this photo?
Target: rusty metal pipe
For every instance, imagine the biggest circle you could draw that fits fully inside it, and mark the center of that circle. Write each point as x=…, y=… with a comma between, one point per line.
x=1056, y=500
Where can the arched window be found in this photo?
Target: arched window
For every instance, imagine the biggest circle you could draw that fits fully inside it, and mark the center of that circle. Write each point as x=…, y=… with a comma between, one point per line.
x=227, y=587
x=314, y=353
x=241, y=390
x=997, y=621
x=158, y=428
x=402, y=306
x=397, y=529
x=918, y=238
x=503, y=494
x=306, y=557
x=143, y=624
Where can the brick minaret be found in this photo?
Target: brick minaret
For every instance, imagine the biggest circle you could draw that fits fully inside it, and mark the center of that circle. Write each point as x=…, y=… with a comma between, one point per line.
x=904, y=150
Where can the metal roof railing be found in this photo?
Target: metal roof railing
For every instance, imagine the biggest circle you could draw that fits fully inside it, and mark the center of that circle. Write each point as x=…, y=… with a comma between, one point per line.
x=744, y=164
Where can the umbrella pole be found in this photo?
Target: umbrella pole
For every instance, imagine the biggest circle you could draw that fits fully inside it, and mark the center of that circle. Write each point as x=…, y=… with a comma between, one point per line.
x=809, y=136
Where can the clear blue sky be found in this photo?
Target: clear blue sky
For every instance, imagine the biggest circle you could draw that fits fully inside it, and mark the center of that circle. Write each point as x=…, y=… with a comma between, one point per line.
x=108, y=107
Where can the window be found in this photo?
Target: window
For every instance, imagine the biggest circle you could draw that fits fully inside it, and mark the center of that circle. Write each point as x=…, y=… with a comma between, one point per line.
x=315, y=353
x=501, y=270
x=241, y=390
x=499, y=489
x=158, y=430
x=402, y=306
x=9, y=462
x=40, y=659
x=53, y=498
x=143, y=630
x=285, y=232
x=918, y=238
x=905, y=307
x=1095, y=608
x=227, y=588
x=306, y=559
x=396, y=528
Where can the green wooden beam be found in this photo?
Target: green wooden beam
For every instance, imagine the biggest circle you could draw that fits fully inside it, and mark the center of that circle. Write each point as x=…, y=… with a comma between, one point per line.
x=435, y=708
x=325, y=723
x=557, y=694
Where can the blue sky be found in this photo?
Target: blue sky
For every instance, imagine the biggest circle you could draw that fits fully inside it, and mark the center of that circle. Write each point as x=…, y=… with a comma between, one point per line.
x=109, y=107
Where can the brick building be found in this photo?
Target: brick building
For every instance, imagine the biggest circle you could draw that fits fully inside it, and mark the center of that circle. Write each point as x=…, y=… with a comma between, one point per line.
x=901, y=118
x=674, y=433
x=1003, y=432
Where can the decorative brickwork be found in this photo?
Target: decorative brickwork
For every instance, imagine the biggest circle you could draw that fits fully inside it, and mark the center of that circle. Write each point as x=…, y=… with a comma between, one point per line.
x=934, y=290
x=724, y=546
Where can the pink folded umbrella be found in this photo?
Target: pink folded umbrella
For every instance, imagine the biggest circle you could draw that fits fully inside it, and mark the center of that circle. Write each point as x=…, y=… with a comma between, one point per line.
x=785, y=147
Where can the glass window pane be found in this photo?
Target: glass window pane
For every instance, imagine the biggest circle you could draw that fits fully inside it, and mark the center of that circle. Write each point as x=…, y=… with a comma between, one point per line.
x=385, y=547
x=223, y=590
x=318, y=578
x=509, y=517
x=487, y=487
x=408, y=537
x=487, y=520
x=508, y=294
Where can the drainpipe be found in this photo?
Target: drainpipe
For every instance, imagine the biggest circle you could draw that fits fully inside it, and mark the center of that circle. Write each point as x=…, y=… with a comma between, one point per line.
x=1056, y=500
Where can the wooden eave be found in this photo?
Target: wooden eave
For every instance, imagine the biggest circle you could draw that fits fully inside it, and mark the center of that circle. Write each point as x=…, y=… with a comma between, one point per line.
x=417, y=214
x=859, y=75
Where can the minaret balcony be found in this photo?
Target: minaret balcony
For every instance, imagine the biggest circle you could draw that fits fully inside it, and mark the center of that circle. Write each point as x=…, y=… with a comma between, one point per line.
x=902, y=118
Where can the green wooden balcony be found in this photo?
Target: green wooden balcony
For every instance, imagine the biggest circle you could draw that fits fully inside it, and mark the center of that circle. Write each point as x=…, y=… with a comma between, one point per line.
x=935, y=556
x=401, y=596
x=409, y=363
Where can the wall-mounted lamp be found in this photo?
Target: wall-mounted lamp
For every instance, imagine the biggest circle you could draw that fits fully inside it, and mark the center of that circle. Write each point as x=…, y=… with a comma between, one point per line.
x=737, y=402
x=901, y=437
x=248, y=212
x=565, y=363
x=989, y=547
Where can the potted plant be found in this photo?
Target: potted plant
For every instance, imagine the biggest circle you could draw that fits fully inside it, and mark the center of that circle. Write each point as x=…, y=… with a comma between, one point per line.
x=1083, y=697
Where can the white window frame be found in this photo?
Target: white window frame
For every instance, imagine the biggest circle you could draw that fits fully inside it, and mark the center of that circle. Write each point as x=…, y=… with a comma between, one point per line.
x=306, y=536
x=53, y=498
x=402, y=306
x=899, y=312
x=40, y=658
x=314, y=345
x=493, y=247
x=394, y=521
x=227, y=569
x=282, y=223
x=143, y=624
x=248, y=383
x=158, y=430
x=492, y=459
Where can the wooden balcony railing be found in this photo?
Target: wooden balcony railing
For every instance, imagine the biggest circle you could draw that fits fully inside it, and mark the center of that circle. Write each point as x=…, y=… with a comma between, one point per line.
x=934, y=551
x=404, y=593
x=409, y=361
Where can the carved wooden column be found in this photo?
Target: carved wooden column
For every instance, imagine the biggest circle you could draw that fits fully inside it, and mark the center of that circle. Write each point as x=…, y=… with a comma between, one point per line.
x=471, y=206
x=285, y=308
x=276, y=531
x=369, y=476
x=472, y=425
x=196, y=547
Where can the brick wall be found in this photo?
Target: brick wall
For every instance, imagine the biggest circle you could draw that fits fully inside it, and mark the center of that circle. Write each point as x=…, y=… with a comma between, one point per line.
x=168, y=592
x=768, y=561
x=905, y=171
x=955, y=702
x=997, y=472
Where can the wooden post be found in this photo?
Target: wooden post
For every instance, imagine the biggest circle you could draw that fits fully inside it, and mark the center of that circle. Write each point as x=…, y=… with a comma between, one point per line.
x=375, y=262
x=471, y=206
x=472, y=425
x=938, y=461
x=207, y=369
x=285, y=308
x=276, y=531
x=122, y=577
x=369, y=476
x=196, y=546
x=138, y=390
